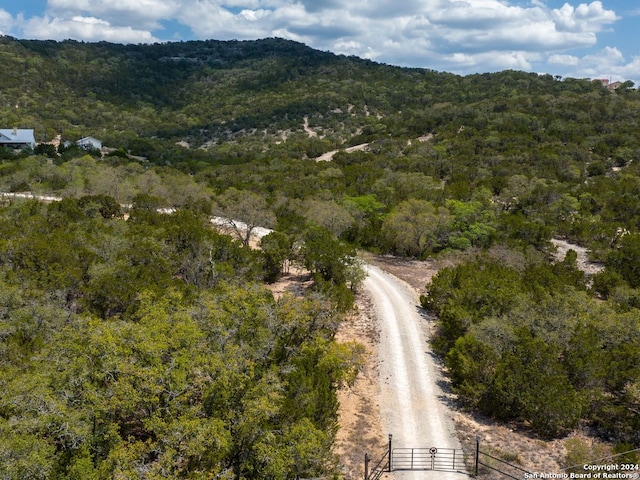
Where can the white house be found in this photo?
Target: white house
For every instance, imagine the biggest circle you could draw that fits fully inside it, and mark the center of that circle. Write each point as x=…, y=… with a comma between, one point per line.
x=86, y=143
x=17, y=138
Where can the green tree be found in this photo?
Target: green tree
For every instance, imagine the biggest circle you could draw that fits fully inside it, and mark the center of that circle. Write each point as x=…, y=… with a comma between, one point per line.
x=326, y=256
x=328, y=214
x=242, y=212
x=46, y=149
x=468, y=294
x=472, y=364
x=531, y=384
x=278, y=249
x=473, y=225
x=625, y=259
x=416, y=228
x=368, y=214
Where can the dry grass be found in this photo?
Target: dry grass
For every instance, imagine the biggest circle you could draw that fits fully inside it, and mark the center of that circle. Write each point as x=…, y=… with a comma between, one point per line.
x=510, y=443
x=296, y=281
x=359, y=416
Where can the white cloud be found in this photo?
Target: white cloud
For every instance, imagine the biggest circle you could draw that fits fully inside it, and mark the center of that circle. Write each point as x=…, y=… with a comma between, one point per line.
x=490, y=61
x=600, y=64
x=566, y=60
x=607, y=54
x=254, y=15
x=459, y=26
x=144, y=14
x=584, y=18
x=489, y=24
x=209, y=19
x=85, y=28
x=466, y=14
x=144, y=8
x=6, y=22
x=628, y=71
x=608, y=62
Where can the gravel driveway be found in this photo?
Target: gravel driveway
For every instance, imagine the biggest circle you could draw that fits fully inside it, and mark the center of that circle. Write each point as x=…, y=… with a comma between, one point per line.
x=413, y=404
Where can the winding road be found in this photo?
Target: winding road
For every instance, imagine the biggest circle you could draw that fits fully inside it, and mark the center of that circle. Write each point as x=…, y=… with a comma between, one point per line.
x=413, y=404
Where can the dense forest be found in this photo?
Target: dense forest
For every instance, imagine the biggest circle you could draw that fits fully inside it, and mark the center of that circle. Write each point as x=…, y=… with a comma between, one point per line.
x=149, y=348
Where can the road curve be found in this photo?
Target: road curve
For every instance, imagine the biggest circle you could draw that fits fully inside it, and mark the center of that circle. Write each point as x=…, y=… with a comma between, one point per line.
x=412, y=404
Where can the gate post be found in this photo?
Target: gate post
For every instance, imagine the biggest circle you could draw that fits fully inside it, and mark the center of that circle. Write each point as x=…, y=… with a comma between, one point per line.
x=475, y=471
x=390, y=437
x=366, y=466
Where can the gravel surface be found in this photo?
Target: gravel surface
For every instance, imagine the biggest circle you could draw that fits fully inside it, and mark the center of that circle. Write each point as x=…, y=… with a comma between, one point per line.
x=414, y=402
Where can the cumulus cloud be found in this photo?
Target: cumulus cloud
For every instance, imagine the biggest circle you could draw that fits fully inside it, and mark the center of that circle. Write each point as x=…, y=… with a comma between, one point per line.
x=608, y=62
x=584, y=18
x=144, y=14
x=486, y=24
x=6, y=22
x=209, y=19
x=490, y=61
x=627, y=71
x=565, y=60
x=85, y=28
x=485, y=15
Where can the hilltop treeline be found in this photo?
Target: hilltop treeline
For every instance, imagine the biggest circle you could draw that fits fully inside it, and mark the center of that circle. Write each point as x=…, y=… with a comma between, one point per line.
x=486, y=168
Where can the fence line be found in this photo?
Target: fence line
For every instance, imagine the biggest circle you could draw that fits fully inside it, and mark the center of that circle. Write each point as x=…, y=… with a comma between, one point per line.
x=500, y=468
x=598, y=460
x=383, y=465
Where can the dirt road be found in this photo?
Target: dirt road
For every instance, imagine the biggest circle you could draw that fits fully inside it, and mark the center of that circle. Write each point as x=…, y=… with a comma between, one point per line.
x=327, y=157
x=412, y=404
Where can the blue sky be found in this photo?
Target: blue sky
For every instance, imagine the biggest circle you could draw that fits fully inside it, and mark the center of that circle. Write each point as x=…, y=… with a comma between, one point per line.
x=581, y=39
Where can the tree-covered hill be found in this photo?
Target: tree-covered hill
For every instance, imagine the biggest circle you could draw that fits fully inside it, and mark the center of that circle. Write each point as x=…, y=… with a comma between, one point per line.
x=210, y=92
x=485, y=169
x=175, y=90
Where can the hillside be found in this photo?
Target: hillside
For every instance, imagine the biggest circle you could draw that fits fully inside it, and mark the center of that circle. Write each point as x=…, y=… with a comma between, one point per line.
x=215, y=93
x=201, y=92
x=483, y=171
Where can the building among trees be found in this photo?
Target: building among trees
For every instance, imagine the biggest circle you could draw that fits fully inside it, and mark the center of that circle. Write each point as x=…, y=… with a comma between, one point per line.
x=17, y=138
x=87, y=143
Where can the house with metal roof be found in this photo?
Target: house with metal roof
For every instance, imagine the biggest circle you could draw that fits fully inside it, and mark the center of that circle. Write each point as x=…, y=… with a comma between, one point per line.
x=17, y=138
x=88, y=143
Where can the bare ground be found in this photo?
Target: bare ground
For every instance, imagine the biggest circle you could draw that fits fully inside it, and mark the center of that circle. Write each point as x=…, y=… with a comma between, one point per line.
x=361, y=429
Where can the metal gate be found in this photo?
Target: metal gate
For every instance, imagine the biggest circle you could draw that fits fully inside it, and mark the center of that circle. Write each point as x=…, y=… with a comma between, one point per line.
x=433, y=458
